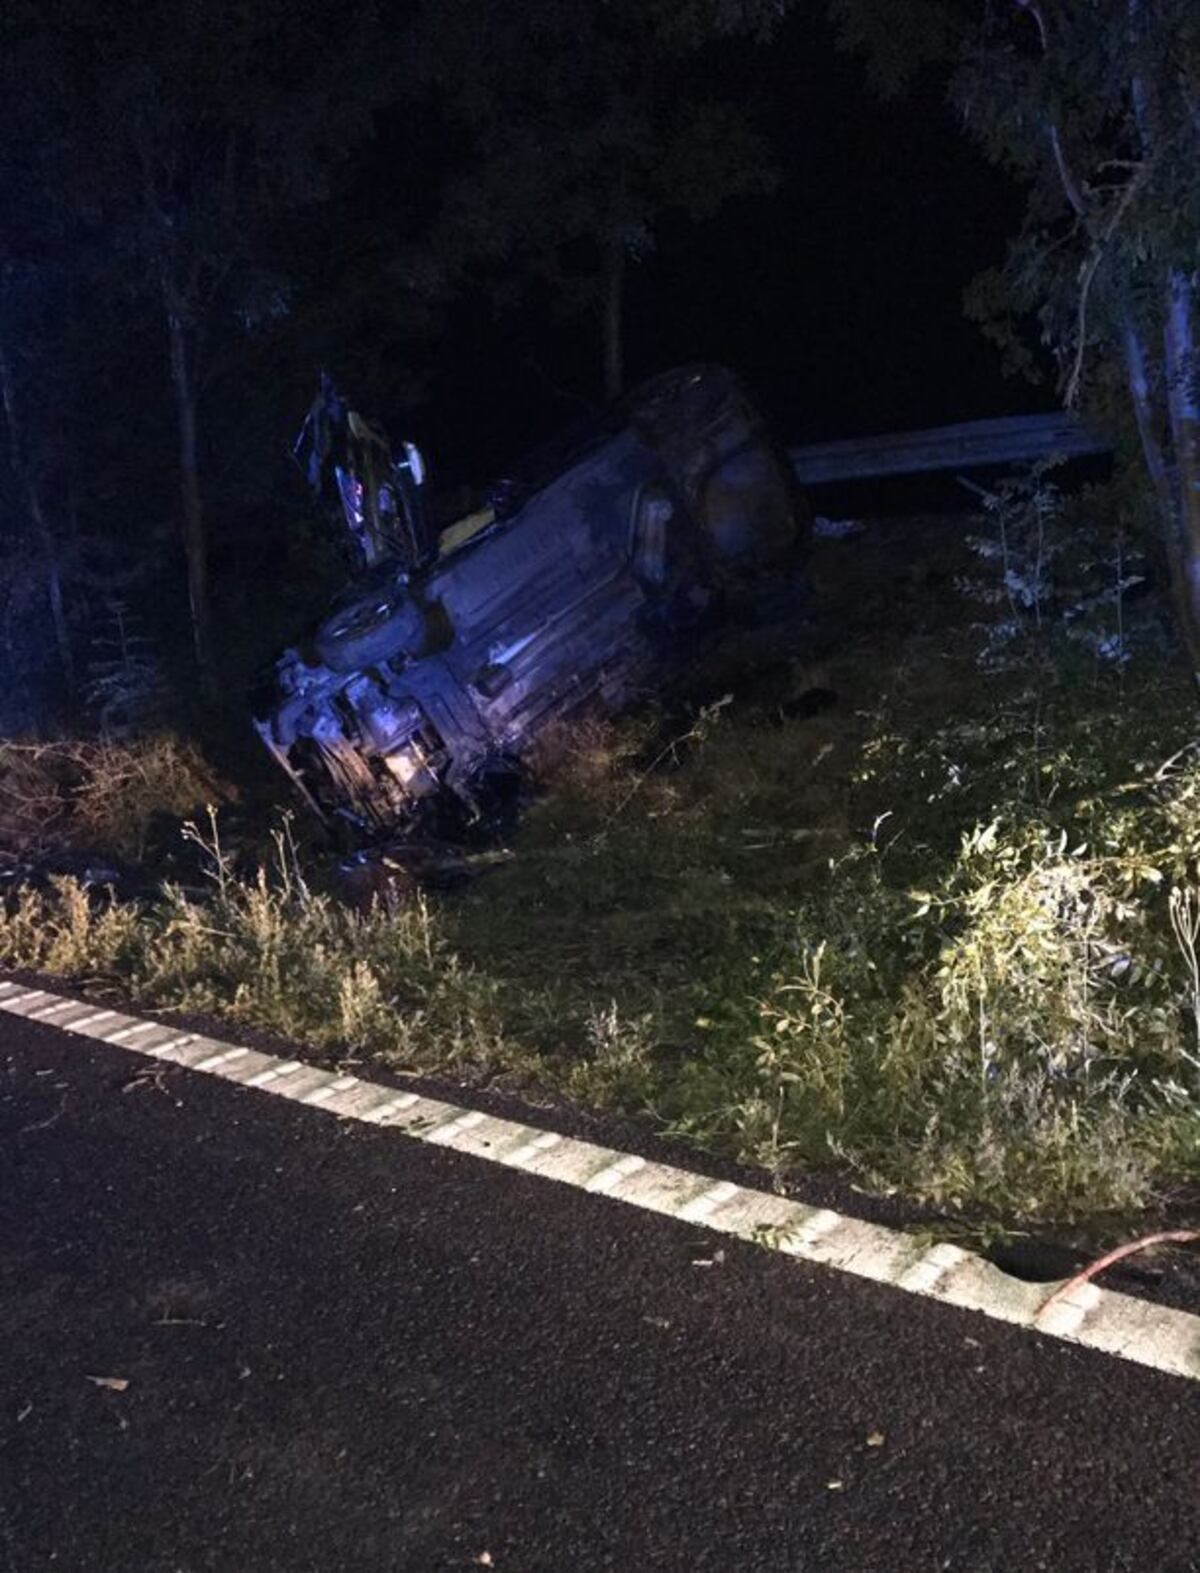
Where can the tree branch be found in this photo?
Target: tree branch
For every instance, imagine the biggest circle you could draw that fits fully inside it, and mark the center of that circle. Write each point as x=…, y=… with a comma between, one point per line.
x=1086, y=279
x=1072, y=188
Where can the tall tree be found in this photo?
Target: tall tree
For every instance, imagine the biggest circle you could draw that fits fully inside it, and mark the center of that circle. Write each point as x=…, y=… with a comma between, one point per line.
x=180, y=134
x=1095, y=105
x=582, y=124
x=35, y=450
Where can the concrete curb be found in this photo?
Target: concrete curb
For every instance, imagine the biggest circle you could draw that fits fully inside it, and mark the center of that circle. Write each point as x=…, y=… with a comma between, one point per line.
x=1132, y=1329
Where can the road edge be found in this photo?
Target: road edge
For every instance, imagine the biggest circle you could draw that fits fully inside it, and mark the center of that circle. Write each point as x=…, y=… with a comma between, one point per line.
x=1161, y=1337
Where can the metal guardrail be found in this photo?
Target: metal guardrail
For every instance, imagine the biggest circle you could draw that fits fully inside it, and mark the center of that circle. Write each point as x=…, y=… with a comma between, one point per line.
x=1010, y=439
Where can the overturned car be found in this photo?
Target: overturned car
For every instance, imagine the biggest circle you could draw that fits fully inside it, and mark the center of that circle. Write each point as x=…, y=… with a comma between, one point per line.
x=602, y=558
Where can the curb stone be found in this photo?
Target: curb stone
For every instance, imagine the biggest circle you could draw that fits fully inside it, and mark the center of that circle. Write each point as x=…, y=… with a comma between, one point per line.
x=1131, y=1329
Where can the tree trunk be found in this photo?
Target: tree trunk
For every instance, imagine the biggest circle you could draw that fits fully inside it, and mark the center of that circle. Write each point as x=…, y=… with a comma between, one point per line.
x=47, y=544
x=1138, y=378
x=54, y=592
x=614, y=327
x=1175, y=471
x=1150, y=430
x=194, y=539
x=1183, y=409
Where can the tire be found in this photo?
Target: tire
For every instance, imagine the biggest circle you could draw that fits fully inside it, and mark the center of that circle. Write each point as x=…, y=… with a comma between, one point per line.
x=369, y=630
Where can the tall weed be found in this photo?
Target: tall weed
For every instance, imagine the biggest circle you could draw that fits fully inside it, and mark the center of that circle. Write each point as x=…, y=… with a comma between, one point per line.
x=266, y=951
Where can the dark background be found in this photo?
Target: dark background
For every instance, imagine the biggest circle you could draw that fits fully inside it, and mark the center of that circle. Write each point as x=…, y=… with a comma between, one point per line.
x=838, y=297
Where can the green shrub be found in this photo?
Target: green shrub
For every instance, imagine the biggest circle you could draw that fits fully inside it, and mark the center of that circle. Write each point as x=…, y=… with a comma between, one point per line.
x=1023, y=1032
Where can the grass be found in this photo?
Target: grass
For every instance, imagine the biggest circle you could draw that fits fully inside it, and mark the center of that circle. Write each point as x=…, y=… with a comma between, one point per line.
x=924, y=938
x=268, y=951
x=940, y=936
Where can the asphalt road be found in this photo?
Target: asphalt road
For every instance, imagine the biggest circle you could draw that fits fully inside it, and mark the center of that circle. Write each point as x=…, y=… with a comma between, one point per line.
x=345, y=1350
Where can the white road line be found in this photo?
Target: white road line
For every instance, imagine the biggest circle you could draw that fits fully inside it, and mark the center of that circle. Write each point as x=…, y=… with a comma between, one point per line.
x=698, y=1209
x=1119, y=1325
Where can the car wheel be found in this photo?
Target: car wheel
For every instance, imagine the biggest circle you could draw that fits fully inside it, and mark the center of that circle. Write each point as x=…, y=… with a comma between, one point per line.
x=369, y=630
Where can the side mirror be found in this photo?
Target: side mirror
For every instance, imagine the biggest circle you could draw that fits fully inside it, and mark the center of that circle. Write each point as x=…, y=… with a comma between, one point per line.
x=413, y=462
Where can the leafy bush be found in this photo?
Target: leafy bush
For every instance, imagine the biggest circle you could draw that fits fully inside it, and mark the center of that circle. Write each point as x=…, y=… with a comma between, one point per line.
x=1062, y=564
x=1024, y=1035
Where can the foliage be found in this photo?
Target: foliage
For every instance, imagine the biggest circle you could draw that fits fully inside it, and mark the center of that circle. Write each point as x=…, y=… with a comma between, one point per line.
x=1056, y=565
x=1093, y=104
x=126, y=688
x=584, y=125
x=1021, y=1037
x=178, y=142
x=22, y=621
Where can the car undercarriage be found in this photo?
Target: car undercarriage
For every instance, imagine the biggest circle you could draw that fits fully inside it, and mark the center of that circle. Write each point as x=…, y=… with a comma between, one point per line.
x=609, y=555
